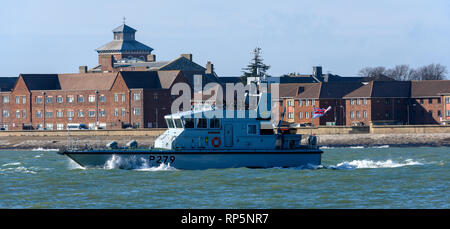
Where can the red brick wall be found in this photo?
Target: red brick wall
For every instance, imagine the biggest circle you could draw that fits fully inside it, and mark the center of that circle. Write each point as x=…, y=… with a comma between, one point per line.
x=425, y=112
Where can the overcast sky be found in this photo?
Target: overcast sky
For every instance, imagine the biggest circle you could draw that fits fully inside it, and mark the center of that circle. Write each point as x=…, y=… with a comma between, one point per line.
x=54, y=36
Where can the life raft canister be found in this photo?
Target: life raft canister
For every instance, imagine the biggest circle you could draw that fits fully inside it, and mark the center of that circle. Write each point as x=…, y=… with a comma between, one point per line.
x=216, y=142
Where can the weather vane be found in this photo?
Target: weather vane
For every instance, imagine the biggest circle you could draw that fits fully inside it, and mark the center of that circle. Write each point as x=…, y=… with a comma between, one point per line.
x=124, y=18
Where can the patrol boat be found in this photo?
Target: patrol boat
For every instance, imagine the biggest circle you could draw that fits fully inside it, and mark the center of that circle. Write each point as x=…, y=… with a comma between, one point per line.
x=212, y=139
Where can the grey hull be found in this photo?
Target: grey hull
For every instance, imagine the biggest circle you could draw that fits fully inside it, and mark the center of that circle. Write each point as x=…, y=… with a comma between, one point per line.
x=192, y=161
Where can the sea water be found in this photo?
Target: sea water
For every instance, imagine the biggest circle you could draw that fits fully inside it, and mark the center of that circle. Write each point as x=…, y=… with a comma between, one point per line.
x=358, y=177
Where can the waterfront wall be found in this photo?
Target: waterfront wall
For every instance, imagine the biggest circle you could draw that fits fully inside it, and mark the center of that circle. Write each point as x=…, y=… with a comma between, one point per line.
x=322, y=130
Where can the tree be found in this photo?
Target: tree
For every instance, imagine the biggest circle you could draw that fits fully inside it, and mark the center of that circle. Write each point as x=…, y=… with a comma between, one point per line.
x=401, y=72
x=431, y=72
x=376, y=73
x=256, y=68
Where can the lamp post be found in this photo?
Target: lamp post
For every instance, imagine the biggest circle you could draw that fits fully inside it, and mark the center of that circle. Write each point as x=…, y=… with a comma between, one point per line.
x=43, y=112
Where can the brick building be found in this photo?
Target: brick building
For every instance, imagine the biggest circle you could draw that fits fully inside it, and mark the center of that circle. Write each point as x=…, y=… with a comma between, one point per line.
x=103, y=100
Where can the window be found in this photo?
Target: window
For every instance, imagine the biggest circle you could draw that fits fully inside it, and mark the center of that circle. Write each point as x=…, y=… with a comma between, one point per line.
x=91, y=126
x=59, y=113
x=123, y=97
x=313, y=102
x=70, y=114
x=38, y=99
x=91, y=113
x=70, y=99
x=421, y=101
x=102, y=113
x=290, y=115
x=38, y=114
x=439, y=100
x=306, y=115
x=59, y=99
x=214, y=123
x=352, y=101
x=430, y=101
x=448, y=113
x=116, y=98
x=80, y=99
x=49, y=114
x=17, y=99
x=5, y=113
x=358, y=101
x=365, y=114
x=202, y=123
x=387, y=114
x=300, y=102
x=60, y=126
x=447, y=100
x=91, y=98
x=136, y=125
x=24, y=99
x=49, y=126
x=300, y=115
x=188, y=123
x=49, y=99
x=116, y=111
x=178, y=123
x=24, y=113
x=170, y=123
x=439, y=113
x=123, y=112
x=136, y=96
x=365, y=101
x=251, y=129
x=80, y=113
x=5, y=99
x=290, y=103
x=352, y=114
x=136, y=111
x=358, y=114
x=307, y=102
x=17, y=114
x=387, y=101
x=102, y=98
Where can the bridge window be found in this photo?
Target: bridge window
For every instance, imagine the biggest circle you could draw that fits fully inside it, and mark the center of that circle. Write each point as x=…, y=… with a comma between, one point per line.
x=188, y=123
x=170, y=123
x=202, y=123
x=214, y=123
x=178, y=123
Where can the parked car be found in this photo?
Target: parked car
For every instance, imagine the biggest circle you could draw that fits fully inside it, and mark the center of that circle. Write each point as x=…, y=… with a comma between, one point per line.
x=76, y=126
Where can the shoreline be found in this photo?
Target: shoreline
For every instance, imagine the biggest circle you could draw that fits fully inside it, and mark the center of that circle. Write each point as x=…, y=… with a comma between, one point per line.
x=325, y=141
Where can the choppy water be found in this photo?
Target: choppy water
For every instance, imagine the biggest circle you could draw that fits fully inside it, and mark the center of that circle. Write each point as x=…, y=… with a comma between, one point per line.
x=357, y=177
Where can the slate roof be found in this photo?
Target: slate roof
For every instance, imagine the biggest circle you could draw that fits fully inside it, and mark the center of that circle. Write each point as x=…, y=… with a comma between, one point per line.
x=124, y=28
x=124, y=45
x=429, y=88
x=182, y=63
x=7, y=83
x=88, y=81
x=41, y=81
x=141, y=79
x=382, y=89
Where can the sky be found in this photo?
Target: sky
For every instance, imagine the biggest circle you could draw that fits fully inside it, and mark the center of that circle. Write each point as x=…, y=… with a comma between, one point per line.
x=56, y=36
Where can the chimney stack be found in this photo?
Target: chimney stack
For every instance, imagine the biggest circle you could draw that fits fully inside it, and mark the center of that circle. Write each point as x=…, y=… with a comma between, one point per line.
x=107, y=63
x=82, y=69
x=317, y=71
x=151, y=57
x=187, y=56
x=209, y=68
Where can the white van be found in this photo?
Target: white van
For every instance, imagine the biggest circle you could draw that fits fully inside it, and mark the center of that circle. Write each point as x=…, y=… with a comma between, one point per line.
x=76, y=126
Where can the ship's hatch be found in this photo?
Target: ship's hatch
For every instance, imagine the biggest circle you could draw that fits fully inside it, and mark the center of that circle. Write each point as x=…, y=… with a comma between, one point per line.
x=228, y=128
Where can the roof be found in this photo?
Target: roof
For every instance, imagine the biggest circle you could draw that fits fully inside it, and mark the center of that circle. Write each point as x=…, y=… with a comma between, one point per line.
x=148, y=65
x=88, y=81
x=124, y=29
x=293, y=90
x=334, y=90
x=141, y=79
x=41, y=81
x=229, y=79
x=429, y=88
x=382, y=89
x=166, y=78
x=7, y=83
x=124, y=45
x=182, y=63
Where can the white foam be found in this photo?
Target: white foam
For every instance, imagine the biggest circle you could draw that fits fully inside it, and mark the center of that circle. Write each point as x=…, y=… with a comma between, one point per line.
x=363, y=164
x=74, y=165
x=42, y=149
x=134, y=163
x=11, y=164
x=326, y=147
x=356, y=147
x=381, y=147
